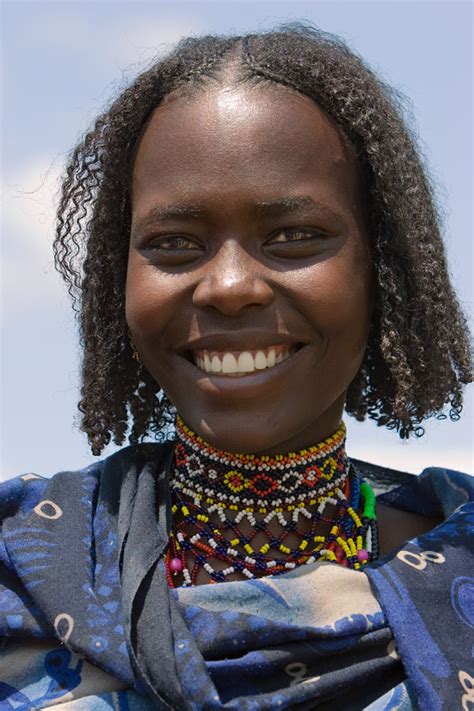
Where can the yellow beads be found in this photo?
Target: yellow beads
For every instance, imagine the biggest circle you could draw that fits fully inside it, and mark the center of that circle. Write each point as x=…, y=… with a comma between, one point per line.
x=260, y=514
x=238, y=458
x=344, y=546
x=354, y=516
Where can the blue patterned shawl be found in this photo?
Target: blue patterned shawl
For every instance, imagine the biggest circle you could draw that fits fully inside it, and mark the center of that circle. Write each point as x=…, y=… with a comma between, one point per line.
x=87, y=618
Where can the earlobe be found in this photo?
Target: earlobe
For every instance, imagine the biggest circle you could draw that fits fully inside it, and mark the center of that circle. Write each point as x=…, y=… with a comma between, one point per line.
x=135, y=354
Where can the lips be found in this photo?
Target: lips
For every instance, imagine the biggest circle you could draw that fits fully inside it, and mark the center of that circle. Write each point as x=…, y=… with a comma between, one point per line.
x=294, y=356
x=242, y=362
x=241, y=352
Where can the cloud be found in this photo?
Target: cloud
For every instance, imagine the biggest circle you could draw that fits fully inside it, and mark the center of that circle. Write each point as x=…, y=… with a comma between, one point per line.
x=29, y=191
x=144, y=41
x=116, y=38
x=28, y=215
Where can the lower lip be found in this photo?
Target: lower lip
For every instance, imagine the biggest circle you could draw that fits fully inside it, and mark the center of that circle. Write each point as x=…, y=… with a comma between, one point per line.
x=244, y=385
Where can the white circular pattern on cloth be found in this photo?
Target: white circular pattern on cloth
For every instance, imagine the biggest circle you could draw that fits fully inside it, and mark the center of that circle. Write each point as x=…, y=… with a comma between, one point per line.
x=420, y=560
x=298, y=670
x=70, y=625
x=467, y=683
x=46, y=502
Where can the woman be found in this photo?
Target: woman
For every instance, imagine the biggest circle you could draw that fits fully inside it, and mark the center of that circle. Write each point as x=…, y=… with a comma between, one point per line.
x=252, y=243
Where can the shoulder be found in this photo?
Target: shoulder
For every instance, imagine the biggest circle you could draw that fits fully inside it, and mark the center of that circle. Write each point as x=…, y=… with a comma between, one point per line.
x=20, y=495
x=381, y=478
x=435, y=489
x=70, y=499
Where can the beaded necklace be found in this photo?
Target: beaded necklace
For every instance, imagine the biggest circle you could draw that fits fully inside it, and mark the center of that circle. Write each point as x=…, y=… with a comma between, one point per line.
x=240, y=515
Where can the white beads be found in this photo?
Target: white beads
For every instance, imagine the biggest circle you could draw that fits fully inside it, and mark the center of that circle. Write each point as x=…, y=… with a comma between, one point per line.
x=225, y=499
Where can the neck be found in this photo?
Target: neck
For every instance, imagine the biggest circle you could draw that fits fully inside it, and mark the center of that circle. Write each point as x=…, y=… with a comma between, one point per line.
x=241, y=516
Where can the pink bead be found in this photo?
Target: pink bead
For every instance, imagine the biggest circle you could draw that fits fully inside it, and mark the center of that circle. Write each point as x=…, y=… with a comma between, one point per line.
x=362, y=554
x=176, y=565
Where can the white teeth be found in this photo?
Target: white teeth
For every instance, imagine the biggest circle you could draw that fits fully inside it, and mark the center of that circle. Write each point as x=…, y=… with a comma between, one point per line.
x=229, y=364
x=216, y=365
x=260, y=360
x=246, y=363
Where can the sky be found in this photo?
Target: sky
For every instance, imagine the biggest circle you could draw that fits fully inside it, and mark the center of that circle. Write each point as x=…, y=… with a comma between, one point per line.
x=62, y=64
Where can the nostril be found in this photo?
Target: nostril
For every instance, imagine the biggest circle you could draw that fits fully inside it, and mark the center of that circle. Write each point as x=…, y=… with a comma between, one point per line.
x=231, y=293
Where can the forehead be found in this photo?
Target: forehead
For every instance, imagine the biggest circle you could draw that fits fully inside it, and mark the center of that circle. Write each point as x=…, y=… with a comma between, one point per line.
x=253, y=139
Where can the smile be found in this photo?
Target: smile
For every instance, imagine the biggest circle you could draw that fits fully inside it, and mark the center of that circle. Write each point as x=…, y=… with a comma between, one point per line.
x=238, y=363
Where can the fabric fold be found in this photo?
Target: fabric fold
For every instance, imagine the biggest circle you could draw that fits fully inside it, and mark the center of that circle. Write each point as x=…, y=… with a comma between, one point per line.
x=81, y=567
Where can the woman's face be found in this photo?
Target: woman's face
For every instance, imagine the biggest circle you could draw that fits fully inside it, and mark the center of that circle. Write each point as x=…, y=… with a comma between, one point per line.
x=248, y=238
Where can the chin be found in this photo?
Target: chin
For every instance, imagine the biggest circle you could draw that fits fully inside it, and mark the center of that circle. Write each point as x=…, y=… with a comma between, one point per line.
x=262, y=418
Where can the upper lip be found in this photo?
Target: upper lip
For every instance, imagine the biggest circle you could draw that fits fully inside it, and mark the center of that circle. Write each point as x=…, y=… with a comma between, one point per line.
x=239, y=341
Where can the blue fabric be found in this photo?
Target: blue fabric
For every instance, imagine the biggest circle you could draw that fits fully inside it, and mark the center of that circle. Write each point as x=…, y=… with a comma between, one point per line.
x=427, y=593
x=81, y=562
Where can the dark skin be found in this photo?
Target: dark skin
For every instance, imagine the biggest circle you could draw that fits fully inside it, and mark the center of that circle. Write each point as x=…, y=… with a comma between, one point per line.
x=248, y=230
x=245, y=271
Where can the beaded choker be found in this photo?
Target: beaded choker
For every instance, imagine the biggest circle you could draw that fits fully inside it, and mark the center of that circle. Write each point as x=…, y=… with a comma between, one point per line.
x=240, y=515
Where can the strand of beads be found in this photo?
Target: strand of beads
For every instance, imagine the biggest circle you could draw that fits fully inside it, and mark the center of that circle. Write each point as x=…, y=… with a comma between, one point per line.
x=263, y=481
x=244, y=515
x=347, y=542
x=369, y=520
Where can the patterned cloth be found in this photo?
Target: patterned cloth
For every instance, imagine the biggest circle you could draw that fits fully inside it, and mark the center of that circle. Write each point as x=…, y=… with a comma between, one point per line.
x=88, y=622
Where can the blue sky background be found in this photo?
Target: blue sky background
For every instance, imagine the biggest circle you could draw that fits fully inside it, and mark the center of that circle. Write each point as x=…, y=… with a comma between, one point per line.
x=63, y=62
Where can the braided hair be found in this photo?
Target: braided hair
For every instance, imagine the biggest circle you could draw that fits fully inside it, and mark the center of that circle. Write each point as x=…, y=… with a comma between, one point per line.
x=417, y=357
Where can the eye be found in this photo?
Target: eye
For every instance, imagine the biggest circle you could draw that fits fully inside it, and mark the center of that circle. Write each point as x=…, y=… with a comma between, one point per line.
x=284, y=236
x=296, y=242
x=174, y=243
x=174, y=249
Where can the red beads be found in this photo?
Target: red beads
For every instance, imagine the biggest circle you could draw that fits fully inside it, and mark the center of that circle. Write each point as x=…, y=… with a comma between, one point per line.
x=224, y=503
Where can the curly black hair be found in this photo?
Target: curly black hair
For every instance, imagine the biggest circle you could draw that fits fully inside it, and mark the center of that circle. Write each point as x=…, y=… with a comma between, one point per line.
x=418, y=356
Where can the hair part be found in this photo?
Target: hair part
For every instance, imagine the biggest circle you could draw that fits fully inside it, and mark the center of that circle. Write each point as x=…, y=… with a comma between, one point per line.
x=417, y=358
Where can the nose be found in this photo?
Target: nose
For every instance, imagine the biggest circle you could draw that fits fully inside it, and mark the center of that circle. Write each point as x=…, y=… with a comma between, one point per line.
x=233, y=280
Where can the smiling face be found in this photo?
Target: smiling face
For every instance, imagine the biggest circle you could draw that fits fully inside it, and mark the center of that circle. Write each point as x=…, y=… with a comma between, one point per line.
x=249, y=277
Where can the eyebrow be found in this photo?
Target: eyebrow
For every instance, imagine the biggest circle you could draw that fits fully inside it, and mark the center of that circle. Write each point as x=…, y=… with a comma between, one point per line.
x=285, y=206
x=264, y=208
x=174, y=211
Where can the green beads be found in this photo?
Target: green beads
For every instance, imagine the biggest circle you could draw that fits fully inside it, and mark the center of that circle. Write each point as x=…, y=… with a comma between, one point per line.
x=369, y=500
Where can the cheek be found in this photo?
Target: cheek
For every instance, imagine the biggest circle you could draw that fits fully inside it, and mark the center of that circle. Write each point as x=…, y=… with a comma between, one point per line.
x=337, y=296
x=149, y=301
